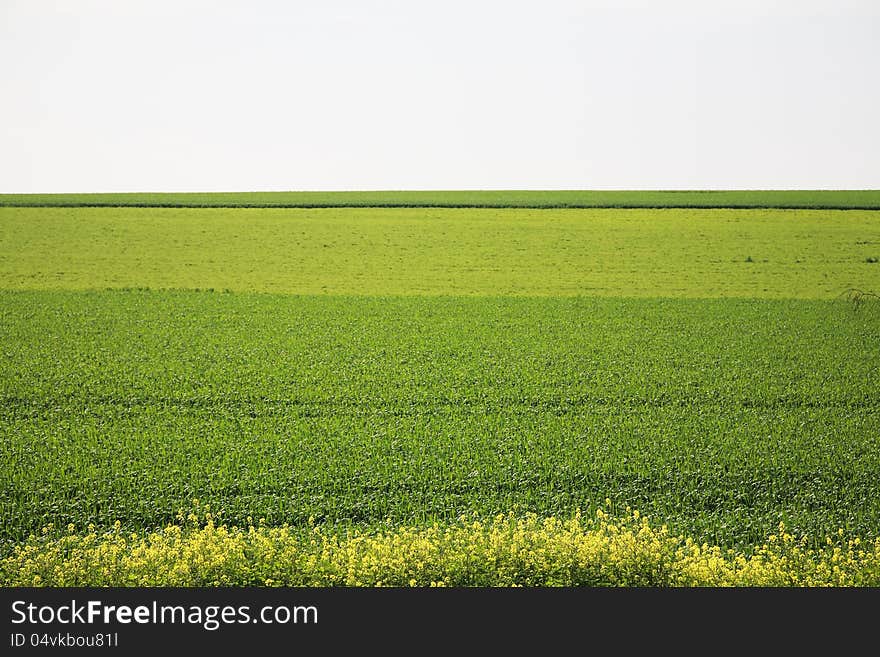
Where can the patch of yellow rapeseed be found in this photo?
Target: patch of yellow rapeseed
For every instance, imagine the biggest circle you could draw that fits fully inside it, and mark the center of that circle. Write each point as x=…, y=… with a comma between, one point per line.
x=507, y=550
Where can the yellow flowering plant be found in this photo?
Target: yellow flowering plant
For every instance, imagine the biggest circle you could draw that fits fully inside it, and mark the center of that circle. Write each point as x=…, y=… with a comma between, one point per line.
x=507, y=550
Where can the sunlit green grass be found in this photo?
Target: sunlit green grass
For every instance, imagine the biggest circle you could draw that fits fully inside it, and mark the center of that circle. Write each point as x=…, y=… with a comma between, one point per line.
x=425, y=251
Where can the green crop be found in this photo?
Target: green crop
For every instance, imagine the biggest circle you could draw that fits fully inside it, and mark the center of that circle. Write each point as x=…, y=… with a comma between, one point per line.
x=722, y=417
x=641, y=253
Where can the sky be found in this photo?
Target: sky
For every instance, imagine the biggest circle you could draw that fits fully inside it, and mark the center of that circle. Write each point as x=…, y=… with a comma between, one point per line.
x=255, y=95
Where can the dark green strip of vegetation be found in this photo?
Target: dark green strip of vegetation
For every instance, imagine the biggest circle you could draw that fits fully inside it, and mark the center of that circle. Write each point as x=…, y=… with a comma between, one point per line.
x=815, y=199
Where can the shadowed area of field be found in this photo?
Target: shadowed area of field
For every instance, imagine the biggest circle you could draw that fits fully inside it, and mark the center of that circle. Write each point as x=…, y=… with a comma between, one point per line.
x=721, y=417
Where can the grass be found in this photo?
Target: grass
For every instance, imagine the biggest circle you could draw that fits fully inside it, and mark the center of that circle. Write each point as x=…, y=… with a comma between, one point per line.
x=851, y=199
x=643, y=253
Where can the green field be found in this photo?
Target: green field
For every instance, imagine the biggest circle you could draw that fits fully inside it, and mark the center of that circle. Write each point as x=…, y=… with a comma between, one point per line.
x=439, y=252
x=721, y=417
x=827, y=199
x=362, y=367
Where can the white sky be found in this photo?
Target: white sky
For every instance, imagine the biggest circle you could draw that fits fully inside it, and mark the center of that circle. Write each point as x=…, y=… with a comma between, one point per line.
x=159, y=95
